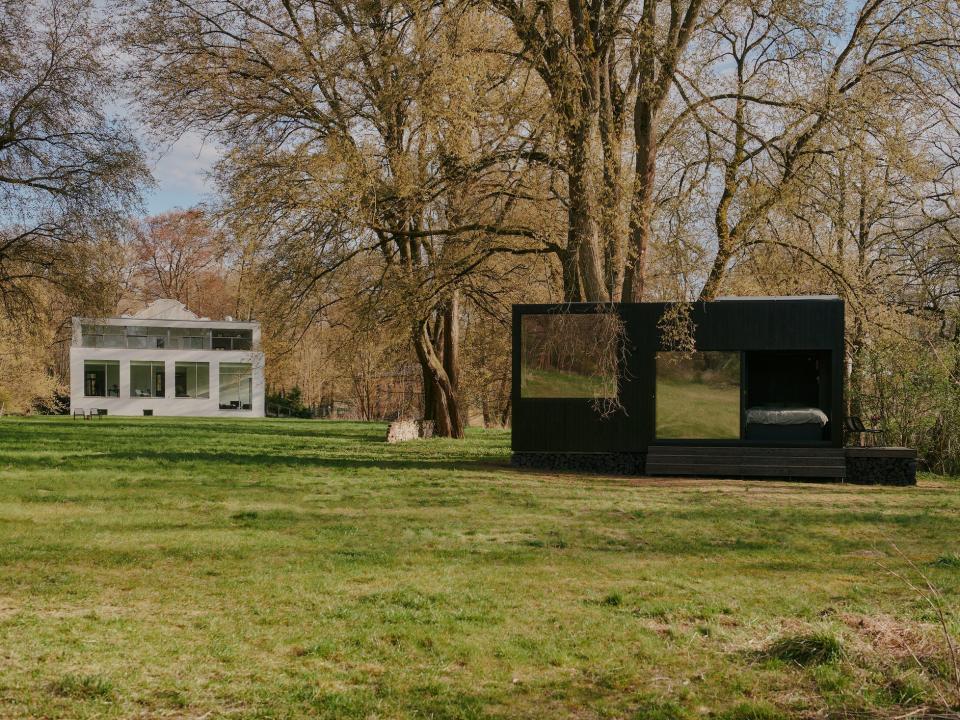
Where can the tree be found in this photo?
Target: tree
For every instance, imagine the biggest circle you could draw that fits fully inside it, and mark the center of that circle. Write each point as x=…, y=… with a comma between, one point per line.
x=571, y=46
x=665, y=37
x=25, y=377
x=766, y=132
x=67, y=171
x=350, y=154
x=180, y=255
x=873, y=217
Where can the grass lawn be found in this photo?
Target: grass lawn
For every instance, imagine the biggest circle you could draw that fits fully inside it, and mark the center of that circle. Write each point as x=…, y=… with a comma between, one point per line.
x=696, y=410
x=563, y=384
x=168, y=568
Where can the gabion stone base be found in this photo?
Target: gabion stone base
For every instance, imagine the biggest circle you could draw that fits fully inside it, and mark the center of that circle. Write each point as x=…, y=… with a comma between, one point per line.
x=621, y=463
x=865, y=466
x=881, y=466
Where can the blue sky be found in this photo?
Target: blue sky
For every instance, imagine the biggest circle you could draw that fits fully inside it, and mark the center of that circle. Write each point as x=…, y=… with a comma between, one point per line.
x=180, y=172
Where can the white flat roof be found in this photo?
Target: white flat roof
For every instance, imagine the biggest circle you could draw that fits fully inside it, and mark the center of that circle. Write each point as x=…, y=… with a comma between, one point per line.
x=167, y=312
x=152, y=322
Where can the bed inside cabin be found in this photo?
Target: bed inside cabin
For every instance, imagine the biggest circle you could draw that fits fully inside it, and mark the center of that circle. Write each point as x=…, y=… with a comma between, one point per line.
x=787, y=395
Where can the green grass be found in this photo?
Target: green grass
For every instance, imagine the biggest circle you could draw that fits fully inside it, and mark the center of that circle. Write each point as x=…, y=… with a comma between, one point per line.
x=814, y=648
x=695, y=410
x=166, y=568
x=562, y=384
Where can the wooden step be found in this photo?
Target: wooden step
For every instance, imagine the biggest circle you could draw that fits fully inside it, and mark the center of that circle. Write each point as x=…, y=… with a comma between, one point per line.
x=719, y=461
x=685, y=450
x=771, y=471
x=750, y=458
x=726, y=460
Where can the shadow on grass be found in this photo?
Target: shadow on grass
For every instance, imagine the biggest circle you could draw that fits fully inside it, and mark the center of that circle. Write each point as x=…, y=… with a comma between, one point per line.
x=332, y=435
x=215, y=460
x=64, y=428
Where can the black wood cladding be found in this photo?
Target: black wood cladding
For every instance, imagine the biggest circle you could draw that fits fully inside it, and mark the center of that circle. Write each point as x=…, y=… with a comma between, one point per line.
x=574, y=425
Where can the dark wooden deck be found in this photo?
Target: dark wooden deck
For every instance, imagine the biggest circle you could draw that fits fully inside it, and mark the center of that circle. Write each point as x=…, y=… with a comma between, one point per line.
x=739, y=461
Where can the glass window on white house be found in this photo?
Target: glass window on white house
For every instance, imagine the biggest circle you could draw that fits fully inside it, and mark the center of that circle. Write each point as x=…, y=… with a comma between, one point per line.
x=192, y=380
x=101, y=378
x=147, y=379
x=189, y=338
x=103, y=336
x=229, y=339
x=236, y=386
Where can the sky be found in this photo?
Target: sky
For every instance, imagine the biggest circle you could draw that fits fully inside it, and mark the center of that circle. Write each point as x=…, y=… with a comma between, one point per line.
x=180, y=173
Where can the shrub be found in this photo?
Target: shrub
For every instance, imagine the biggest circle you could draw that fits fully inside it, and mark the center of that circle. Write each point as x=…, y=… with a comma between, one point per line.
x=614, y=599
x=82, y=687
x=914, y=395
x=806, y=649
x=288, y=403
x=948, y=561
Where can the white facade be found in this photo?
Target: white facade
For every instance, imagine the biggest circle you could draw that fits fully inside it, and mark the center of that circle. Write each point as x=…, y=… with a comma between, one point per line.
x=167, y=360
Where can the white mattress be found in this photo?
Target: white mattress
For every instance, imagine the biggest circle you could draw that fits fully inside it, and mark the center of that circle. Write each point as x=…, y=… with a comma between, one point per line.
x=786, y=416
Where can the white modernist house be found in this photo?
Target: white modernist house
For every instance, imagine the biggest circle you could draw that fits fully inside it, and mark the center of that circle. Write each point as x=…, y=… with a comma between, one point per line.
x=166, y=361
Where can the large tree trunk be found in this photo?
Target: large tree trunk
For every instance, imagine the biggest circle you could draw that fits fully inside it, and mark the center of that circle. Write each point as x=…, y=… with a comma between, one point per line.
x=718, y=272
x=645, y=109
x=572, y=290
x=727, y=236
x=505, y=415
x=613, y=223
x=583, y=245
x=641, y=211
x=856, y=348
x=451, y=349
x=429, y=392
x=441, y=401
x=655, y=73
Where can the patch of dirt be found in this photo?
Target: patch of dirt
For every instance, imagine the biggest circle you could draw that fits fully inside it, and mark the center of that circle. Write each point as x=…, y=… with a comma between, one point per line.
x=660, y=628
x=684, y=482
x=8, y=611
x=893, y=638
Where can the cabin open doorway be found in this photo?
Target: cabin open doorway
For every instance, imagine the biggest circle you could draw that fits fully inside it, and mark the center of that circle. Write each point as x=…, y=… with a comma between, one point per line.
x=787, y=395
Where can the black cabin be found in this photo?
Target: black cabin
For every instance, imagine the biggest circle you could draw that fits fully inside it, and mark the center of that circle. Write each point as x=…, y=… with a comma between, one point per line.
x=761, y=393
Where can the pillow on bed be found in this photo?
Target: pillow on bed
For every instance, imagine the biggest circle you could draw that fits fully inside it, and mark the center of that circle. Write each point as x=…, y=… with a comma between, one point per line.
x=786, y=416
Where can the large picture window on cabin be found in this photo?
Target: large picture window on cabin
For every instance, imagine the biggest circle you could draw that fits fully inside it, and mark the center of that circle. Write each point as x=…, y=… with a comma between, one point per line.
x=569, y=355
x=698, y=395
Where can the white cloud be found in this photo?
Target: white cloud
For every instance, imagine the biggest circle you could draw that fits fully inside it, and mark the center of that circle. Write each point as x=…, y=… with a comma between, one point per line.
x=181, y=171
x=183, y=166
